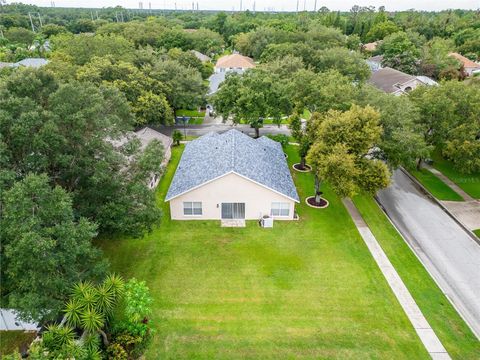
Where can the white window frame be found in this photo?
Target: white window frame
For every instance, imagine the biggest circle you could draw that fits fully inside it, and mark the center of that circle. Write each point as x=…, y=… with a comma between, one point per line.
x=280, y=206
x=192, y=207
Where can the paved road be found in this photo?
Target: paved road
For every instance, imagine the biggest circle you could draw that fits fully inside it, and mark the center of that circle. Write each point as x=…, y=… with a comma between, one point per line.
x=198, y=130
x=448, y=252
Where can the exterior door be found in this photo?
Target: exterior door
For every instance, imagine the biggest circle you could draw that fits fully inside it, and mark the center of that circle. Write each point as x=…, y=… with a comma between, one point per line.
x=233, y=210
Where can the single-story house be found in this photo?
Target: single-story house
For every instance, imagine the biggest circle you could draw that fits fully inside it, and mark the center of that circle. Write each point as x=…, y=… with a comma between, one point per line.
x=232, y=176
x=393, y=81
x=470, y=67
x=202, y=57
x=234, y=62
x=31, y=63
x=5, y=65
x=370, y=46
x=145, y=136
x=375, y=62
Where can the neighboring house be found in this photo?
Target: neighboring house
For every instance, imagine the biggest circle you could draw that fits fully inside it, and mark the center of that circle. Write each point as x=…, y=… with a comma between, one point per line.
x=375, y=62
x=146, y=135
x=31, y=62
x=5, y=65
x=470, y=67
x=426, y=80
x=9, y=322
x=202, y=57
x=371, y=47
x=232, y=176
x=234, y=62
x=393, y=81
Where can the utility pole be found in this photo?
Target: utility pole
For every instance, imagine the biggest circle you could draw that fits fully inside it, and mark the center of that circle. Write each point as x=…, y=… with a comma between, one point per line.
x=240, y=5
x=40, y=18
x=31, y=22
x=254, y=6
x=297, y=5
x=304, y=5
x=315, y=7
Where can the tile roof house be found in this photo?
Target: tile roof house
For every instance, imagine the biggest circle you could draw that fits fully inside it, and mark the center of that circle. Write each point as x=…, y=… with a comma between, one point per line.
x=232, y=176
x=234, y=62
x=469, y=66
x=393, y=81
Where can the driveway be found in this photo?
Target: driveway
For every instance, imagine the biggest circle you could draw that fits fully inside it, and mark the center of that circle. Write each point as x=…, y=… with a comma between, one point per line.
x=447, y=251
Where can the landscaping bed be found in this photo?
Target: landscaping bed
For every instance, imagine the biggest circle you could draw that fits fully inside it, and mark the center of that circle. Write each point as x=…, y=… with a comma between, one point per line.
x=303, y=289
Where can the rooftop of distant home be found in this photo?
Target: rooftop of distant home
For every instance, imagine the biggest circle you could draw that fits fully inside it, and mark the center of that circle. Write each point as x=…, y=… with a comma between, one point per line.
x=235, y=61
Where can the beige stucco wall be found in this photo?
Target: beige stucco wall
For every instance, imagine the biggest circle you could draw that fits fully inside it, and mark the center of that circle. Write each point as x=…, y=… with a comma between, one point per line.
x=230, y=188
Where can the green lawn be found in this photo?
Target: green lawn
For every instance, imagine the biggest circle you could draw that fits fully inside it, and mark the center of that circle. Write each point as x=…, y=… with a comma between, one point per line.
x=14, y=340
x=470, y=183
x=197, y=117
x=436, y=186
x=448, y=325
x=477, y=232
x=304, y=289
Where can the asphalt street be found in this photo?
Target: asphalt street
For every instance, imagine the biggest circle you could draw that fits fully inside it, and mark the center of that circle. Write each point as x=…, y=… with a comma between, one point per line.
x=198, y=130
x=447, y=251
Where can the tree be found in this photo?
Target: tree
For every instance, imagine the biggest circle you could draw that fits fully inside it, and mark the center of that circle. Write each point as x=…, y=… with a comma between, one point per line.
x=80, y=49
x=258, y=94
x=151, y=108
x=184, y=85
x=68, y=132
x=53, y=29
x=436, y=61
x=18, y=35
x=301, y=135
x=402, y=142
x=45, y=250
x=381, y=30
x=340, y=149
x=400, y=53
x=346, y=62
x=450, y=121
x=177, y=137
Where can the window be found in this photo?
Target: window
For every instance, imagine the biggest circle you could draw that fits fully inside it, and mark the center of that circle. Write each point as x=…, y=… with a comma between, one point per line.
x=280, y=209
x=192, y=208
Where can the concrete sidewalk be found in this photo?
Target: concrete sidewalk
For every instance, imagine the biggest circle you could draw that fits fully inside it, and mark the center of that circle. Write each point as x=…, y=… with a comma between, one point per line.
x=451, y=184
x=414, y=314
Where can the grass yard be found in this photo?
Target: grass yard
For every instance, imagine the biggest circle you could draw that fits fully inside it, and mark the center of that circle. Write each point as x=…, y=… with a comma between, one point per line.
x=304, y=289
x=477, y=232
x=196, y=117
x=436, y=186
x=444, y=319
x=470, y=183
x=14, y=340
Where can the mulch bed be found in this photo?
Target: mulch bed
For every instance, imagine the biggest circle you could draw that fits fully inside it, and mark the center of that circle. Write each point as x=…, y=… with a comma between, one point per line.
x=311, y=202
x=299, y=167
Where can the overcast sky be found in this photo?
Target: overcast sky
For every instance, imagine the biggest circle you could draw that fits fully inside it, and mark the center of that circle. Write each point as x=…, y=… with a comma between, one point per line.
x=278, y=5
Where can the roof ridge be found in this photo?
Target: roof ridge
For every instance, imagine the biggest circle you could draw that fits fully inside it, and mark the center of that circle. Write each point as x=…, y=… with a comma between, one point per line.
x=233, y=150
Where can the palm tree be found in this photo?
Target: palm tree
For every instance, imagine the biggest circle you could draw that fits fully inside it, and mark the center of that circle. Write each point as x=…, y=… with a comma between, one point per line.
x=91, y=307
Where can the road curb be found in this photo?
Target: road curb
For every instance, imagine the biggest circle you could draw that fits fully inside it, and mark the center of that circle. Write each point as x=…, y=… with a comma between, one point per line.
x=445, y=293
x=434, y=199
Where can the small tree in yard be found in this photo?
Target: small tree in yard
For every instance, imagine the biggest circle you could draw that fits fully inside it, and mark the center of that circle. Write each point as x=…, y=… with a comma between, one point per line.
x=177, y=137
x=340, y=152
x=302, y=138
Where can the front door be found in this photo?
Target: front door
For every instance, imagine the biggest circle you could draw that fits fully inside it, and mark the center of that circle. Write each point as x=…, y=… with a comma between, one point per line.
x=233, y=210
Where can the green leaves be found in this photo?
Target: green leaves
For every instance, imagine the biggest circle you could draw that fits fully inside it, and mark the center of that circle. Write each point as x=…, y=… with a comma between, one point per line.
x=91, y=320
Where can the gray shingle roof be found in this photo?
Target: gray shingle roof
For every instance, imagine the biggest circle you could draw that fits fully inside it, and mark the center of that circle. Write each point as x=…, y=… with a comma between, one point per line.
x=213, y=155
x=31, y=62
x=387, y=78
